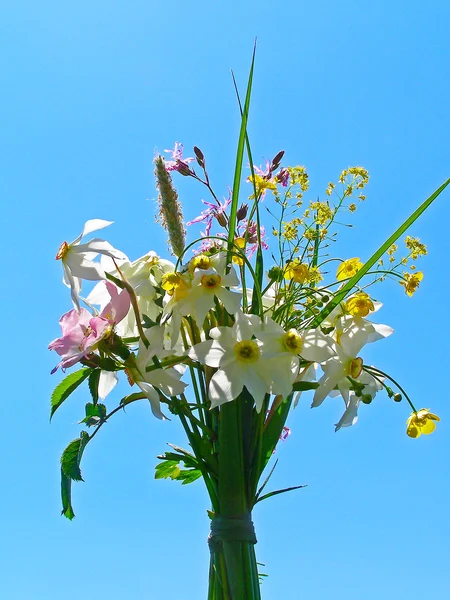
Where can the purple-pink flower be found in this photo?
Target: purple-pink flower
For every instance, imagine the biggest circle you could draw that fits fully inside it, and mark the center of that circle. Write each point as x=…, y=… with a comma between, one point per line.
x=177, y=163
x=81, y=332
x=250, y=232
x=212, y=212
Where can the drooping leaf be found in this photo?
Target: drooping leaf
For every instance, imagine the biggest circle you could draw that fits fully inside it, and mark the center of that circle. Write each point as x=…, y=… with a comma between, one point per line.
x=71, y=457
x=93, y=382
x=65, y=387
x=66, y=496
x=166, y=468
x=188, y=476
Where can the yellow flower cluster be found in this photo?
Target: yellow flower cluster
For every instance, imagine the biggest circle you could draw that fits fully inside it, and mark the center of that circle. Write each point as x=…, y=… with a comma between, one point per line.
x=261, y=184
x=323, y=212
x=416, y=247
x=301, y=272
x=411, y=282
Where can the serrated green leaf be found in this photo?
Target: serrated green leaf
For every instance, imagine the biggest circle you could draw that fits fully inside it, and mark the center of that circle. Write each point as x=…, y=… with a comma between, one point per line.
x=165, y=469
x=93, y=382
x=66, y=496
x=71, y=457
x=189, y=476
x=65, y=387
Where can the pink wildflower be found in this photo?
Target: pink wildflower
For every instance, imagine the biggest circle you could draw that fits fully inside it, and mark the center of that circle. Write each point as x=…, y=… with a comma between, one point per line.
x=178, y=163
x=212, y=212
x=250, y=232
x=81, y=332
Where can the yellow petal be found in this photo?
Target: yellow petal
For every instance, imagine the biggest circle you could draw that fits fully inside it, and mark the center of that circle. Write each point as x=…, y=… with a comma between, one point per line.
x=429, y=427
x=413, y=431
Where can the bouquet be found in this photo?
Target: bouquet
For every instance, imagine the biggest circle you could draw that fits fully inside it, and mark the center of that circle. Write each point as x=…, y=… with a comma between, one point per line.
x=229, y=332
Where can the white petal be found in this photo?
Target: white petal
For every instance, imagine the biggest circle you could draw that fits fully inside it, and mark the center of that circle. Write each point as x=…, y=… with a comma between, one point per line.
x=257, y=387
x=225, y=386
x=99, y=247
x=231, y=300
x=153, y=397
x=350, y=415
x=85, y=269
x=94, y=225
x=106, y=383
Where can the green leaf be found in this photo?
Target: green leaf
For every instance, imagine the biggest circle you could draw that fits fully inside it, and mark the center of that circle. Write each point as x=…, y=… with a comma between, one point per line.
x=270, y=494
x=65, y=387
x=95, y=414
x=66, y=496
x=304, y=386
x=94, y=379
x=346, y=289
x=239, y=160
x=188, y=476
x=132, y=398
x=70, y=470
x=165, y=469
x=71, y=457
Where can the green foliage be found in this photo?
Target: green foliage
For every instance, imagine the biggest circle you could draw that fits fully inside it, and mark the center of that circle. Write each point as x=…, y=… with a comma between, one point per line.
x=95, y=414
x=71, y=457
x=170, y=468
x=65, y=387
x=70, y=470
x=93, y=382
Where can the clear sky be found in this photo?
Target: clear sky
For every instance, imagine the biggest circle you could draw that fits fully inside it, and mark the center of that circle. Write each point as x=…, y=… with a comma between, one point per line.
x=89, y=91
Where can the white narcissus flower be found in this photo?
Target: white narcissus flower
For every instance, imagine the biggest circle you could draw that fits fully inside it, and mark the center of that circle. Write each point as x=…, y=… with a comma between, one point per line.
x=199, y=296
x=77, y=259
x=285, y=348
x=345, y=364
x=239, y=361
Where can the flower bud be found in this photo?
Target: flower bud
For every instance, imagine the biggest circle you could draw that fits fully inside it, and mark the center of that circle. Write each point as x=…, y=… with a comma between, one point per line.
x=242, y=212
x=182, y=168
x=397, y=397
x=221, y=219
x=275, y=274
x=276, y=161
x=199, y=156
x=366, y=398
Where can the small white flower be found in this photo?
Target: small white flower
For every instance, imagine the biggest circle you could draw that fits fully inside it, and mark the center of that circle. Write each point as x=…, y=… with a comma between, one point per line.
x=77, y=259
x=239, y=361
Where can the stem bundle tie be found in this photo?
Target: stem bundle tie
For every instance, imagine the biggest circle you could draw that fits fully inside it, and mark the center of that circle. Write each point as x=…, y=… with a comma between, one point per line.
x=231, y=529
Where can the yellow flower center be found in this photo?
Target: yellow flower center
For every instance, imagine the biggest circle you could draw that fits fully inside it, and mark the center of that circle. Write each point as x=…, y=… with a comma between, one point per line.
x=353, y=367
x=292, y=341
x=211, y=282
x=63, y=249
x=247, y=351
x=174, y=285
x=200, y=262
x=360, y=305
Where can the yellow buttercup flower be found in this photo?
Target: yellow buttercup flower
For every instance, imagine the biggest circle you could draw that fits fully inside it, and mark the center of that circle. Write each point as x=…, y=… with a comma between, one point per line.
x=297, y=271
x=348, y=268
x=360, y=305
x=422, y=421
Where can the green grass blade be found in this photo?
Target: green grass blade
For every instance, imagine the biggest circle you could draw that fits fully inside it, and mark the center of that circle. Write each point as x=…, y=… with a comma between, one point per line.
x=344, y=291
x=240, y=159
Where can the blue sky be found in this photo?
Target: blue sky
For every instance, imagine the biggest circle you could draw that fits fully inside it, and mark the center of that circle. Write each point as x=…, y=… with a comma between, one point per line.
x=89, y=91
